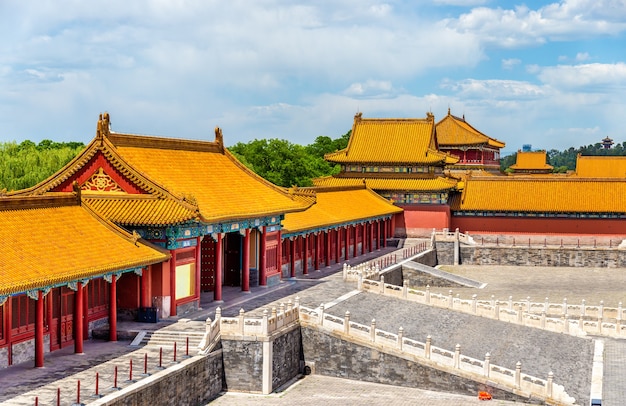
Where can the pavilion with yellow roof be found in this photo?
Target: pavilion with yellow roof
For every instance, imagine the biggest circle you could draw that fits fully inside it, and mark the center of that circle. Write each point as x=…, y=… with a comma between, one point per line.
x=476, y=151
x=211, y=222
x=400, y=160
x=345, y=221
x=57, y=282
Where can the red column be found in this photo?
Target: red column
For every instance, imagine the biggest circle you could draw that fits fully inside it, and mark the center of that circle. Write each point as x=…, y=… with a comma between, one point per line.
x=355, y=243
x=245, y=283
x=316, y=254
x=292, y=257
x=262, y=259
x=279, y=260
x=217, y=292
x=78, y=319
x=327, y=236
x=346, y=243
x=198, y=267
x=305, y=255
x=113, y=309
x=378, y=235
x=384, y=230
x=371, y=237
x=39, y=331
x=173, y=283
x=337, y=245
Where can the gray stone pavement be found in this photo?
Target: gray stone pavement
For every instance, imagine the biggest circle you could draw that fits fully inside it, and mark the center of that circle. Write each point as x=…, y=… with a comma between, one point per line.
x=315, y=390
x=613, y=387
x=319, y=287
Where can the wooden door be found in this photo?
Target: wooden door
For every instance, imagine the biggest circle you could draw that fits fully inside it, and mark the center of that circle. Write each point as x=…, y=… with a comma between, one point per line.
x=55, y=339
x=207, y=264
x=232, y=259
x=66, y=319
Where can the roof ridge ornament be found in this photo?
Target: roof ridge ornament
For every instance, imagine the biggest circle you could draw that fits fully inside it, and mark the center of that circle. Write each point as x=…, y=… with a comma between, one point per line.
x=103, y=128
x=219, y=138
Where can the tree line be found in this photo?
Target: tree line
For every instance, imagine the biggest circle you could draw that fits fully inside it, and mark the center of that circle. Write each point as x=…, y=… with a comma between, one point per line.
x=279, y=161
x=25, y=164
x=565, y=160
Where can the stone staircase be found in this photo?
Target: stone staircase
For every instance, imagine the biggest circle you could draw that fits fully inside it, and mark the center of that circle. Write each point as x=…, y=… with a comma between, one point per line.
x=166, y=338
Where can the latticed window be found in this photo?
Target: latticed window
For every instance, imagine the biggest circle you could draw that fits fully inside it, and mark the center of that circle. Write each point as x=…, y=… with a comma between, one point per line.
x=23, y=311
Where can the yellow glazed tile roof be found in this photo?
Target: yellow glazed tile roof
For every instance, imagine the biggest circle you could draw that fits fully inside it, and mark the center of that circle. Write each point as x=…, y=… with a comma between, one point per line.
x=545, y=194
x=601, y=166
x=336, y=206
x=430, y=185
x=138, y=210
x=454, y=131
x=206, y=174
x=391, y=141
x=531, y=160
x=47, y=241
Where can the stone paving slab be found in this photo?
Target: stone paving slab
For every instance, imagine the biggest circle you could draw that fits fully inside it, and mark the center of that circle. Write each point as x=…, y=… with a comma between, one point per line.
x=316, y=390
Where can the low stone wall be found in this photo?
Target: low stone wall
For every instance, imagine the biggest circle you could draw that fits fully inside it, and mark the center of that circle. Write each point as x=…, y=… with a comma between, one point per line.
x=332, y=356
x=243, y=365
x=396, y=275
x=531, y=256
x=287, y=357
x=194, y=381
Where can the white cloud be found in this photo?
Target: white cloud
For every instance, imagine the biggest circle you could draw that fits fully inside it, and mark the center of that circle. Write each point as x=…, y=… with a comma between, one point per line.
x=521, y=26
x=582, y=56
x=510, y=63
x=496, y=89
x=370, y=88
x=585, y=75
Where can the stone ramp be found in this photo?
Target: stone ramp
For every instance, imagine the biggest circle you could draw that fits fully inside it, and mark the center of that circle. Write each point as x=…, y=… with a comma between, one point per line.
x=438, y=273
x=540, y=352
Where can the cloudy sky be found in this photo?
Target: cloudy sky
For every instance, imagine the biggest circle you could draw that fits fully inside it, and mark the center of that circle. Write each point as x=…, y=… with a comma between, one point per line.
x=547, y=73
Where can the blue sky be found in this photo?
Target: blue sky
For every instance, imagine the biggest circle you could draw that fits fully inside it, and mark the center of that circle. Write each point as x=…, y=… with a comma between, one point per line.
x=550, y=74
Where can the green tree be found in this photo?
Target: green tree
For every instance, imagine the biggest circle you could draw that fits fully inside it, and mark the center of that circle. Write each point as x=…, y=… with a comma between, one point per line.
x=26, y=164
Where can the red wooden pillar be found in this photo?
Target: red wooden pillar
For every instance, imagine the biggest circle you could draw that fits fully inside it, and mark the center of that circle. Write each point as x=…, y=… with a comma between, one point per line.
x=316, y=263
x=378, y=235
x=78, y=319
x=245, y=283
x=39, y=331
x=279, y=254
x=198, y=268
x=292, y=257
x=355, y=242
x=384, y=230
x=346, y=243
x=371, y=237
x=337, y=245
x=113, y=309
x=219, y=260
x=305, y=255
x=173, y=283
x=263, y=259
x=328, y=249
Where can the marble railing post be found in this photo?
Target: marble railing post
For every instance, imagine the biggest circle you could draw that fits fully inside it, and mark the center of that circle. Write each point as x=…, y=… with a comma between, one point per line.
x=400, y=337
x=474, y=296
x=346, y=323
x=427, y=294
x=486, y=365
x=382, y=285
x=518, y=374
x=582, y=308
x=265, y=322
x=450, y=299
x=427, y=346
x=457, y=355
x=241, y=322
x=543, y=320
x=520, y=314
x=565, y=307
x=320, y=318
x=549, y=385
x=373, y=331
x=405, y=288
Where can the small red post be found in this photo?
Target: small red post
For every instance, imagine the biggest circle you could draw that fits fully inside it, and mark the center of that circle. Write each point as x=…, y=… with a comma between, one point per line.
x=187, y=348
x=161, y=357
x=58, y=396
x=145, y=364
x=36, y=400
x=78, y=393
x=174, y=351
x=529, y=243
x=97, y=384
x=115, y=378
x=130, y=371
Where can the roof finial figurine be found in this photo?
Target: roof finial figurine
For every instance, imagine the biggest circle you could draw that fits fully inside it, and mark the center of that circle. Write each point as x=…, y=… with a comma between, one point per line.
x=358, y=116
x=219, y=138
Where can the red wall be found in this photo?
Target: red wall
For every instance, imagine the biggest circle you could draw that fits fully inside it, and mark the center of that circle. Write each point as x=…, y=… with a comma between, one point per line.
x=539, y=225
x=420, y=220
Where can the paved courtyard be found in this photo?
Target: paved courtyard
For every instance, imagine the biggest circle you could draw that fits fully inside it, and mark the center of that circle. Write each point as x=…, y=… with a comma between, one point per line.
x=325, y=286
